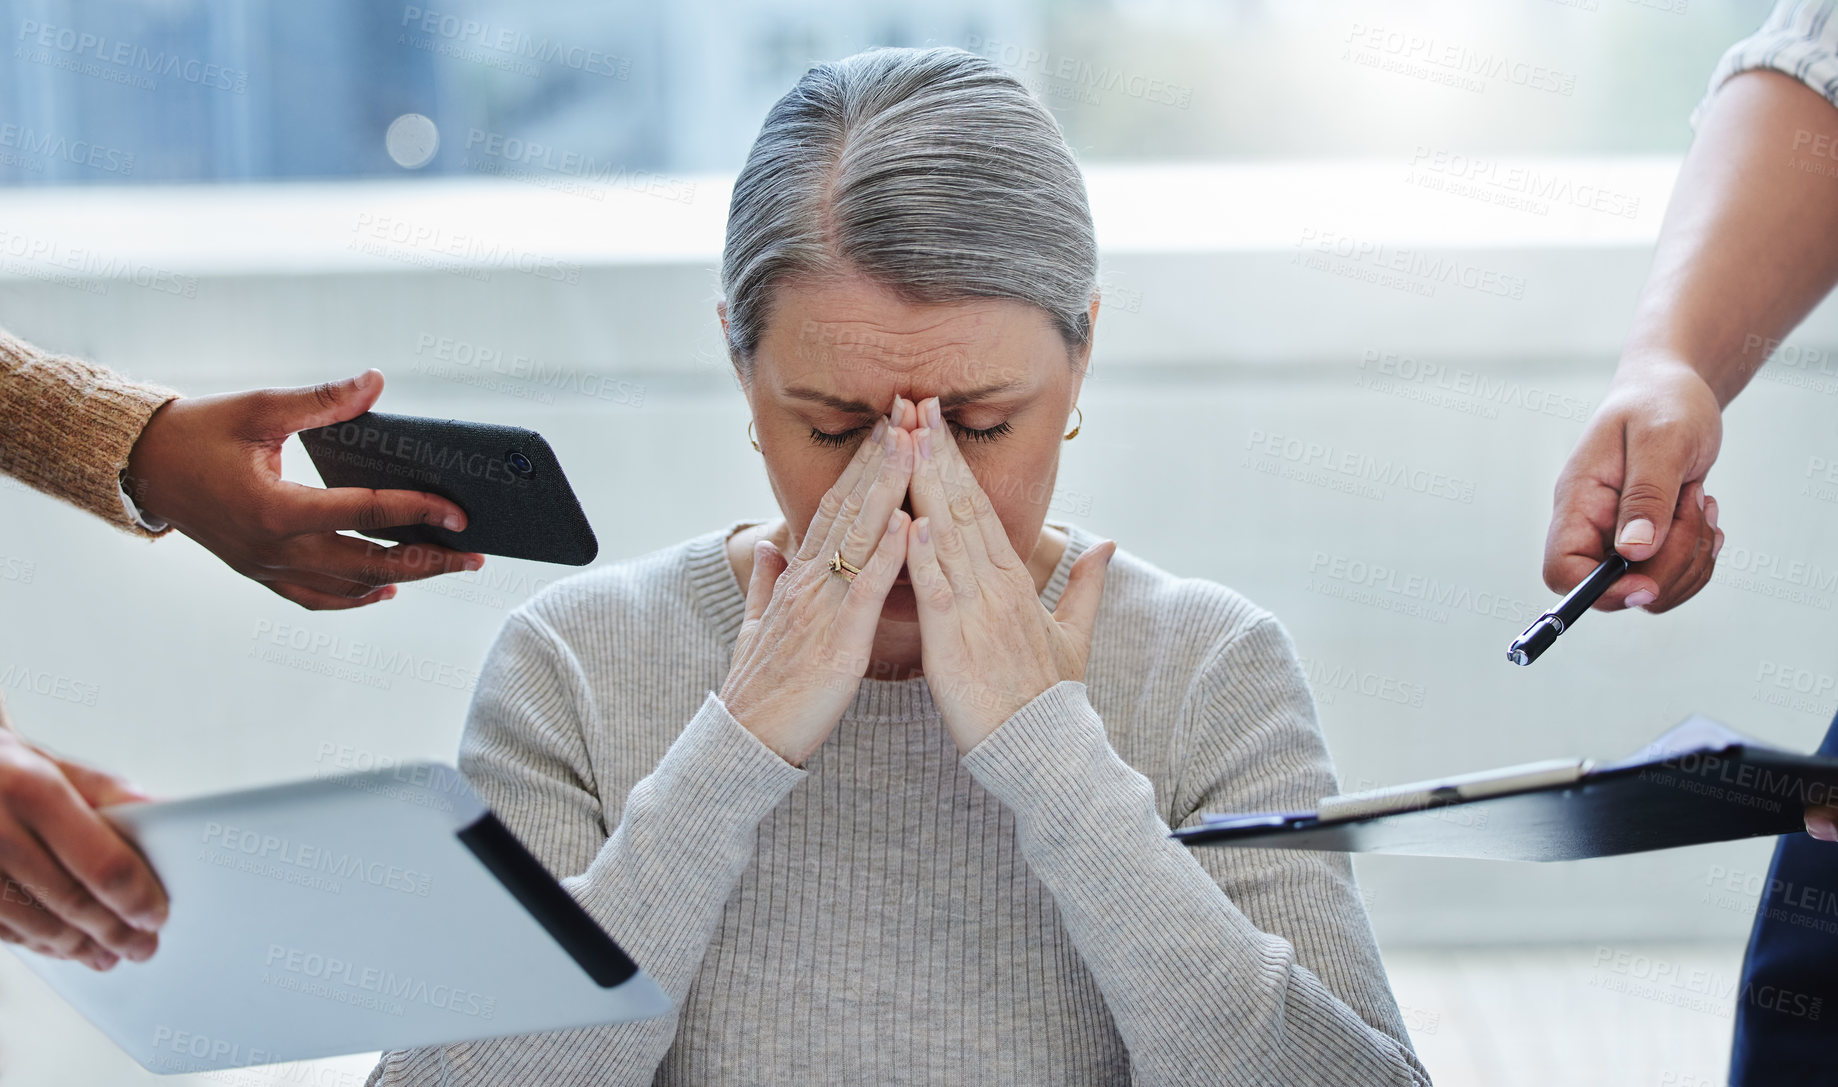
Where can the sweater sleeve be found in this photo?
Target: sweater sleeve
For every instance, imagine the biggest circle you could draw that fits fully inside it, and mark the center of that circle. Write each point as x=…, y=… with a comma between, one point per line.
x=657, y=885
x=1218, y=966
x=67, y=427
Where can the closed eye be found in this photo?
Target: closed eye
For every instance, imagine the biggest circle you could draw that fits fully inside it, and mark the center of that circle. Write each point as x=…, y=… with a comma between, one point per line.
x=987, y=434
x=835, y=440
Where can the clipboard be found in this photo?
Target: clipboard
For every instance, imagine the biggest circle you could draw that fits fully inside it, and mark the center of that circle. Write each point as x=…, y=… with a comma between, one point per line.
x=345, y=914
x=1699, y=782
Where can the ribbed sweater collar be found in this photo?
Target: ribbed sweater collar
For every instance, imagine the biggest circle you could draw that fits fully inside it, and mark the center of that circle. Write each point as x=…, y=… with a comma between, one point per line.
x=723, y=603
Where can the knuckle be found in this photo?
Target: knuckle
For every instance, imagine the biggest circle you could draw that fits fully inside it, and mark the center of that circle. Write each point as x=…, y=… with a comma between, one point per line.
x=1643, y=495
x=370, y=515
x=369, y=574
x=937, y=592
x=830, y=504
x=33, y=792
x=325, y=394
x=118, y=876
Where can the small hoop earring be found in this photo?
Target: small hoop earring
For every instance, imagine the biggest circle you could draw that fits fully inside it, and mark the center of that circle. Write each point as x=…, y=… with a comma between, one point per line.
x=750, y=437
x=1075, y=429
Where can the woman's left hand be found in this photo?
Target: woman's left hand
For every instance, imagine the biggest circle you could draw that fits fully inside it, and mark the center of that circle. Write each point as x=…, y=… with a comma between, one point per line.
x=988, y=645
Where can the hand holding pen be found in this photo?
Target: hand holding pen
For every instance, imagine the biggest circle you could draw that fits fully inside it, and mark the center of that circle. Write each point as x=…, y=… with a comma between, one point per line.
x=1636, y=482
x=1682, y=562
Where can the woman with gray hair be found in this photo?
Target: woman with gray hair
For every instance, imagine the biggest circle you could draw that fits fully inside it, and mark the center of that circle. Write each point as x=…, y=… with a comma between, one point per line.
x=879, y=790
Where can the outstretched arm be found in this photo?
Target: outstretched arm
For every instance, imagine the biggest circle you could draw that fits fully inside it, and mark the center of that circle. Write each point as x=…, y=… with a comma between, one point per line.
x=1743, y=255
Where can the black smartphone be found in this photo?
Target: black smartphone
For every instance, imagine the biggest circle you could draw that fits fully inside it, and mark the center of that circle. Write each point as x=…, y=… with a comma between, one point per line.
x=517, y=501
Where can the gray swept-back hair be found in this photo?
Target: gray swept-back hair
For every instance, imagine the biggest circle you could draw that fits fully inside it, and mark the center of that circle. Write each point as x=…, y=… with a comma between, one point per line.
x=932, y=172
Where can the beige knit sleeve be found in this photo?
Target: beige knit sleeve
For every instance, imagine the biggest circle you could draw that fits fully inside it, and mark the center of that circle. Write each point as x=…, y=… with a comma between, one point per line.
x=657, y=883
x=67, y=427
x=1243, y=971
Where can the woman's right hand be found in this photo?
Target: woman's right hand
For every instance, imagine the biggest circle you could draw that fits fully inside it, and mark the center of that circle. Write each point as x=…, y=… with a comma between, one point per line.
x=803, y=647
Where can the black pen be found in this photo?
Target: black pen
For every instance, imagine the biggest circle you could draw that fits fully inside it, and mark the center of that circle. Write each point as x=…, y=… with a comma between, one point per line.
x=1543, y=632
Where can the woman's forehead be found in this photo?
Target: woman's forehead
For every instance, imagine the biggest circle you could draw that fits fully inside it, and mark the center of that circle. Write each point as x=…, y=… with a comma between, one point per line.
x=847, y=342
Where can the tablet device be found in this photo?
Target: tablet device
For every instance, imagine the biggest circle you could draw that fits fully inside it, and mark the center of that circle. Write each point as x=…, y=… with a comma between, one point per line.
x=507, y=479
x=373, y=911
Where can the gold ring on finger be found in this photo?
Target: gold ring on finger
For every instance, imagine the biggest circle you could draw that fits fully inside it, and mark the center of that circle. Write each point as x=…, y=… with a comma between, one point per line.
x=840, y=565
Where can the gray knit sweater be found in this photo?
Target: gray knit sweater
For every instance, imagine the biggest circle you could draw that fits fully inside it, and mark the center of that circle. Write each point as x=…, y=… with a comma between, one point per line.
x=893, y=912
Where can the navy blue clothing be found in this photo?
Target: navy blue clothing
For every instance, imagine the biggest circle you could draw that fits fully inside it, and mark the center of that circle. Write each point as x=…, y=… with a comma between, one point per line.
x=1786, y=1025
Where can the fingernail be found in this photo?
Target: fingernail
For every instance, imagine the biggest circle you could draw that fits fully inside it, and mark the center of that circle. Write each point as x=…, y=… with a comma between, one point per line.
x=1635, y=533
x=880, y=428
x=924, y=525
x=452, y=522
x=925, y=443
x=1700, y=499
x=1820, y=826
x=1718, y=549
x=936, y=416
x=475, y=562
x=898, y=414
x=1640, y=598
x=1710, y=514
